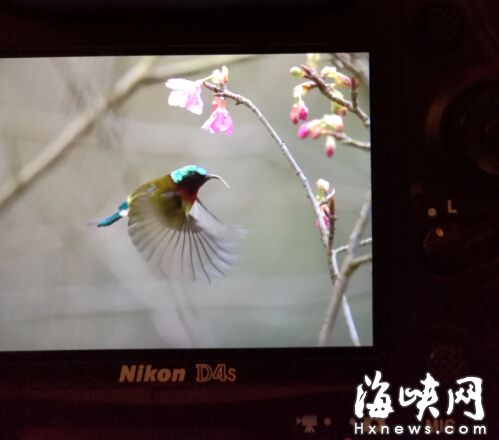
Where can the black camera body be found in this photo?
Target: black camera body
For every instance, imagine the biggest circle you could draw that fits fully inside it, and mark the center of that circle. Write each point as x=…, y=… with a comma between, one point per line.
x=435, y=180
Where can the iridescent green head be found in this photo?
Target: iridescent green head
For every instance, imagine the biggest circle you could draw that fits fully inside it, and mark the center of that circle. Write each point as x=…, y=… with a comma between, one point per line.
x=189, y=172
x=192, y=177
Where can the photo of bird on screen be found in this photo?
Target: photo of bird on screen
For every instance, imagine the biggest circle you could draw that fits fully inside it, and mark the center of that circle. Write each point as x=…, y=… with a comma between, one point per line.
x=118, y=226
x=183, y=242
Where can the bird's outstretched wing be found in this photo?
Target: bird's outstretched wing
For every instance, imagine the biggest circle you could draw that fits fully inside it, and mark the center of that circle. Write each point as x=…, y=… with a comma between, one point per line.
x=196, y=246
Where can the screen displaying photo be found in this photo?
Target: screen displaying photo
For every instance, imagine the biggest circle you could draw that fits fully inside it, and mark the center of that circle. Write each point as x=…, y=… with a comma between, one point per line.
x=214, y=201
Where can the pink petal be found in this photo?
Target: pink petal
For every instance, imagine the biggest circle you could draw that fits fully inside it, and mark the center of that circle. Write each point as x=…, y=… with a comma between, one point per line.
x=185, y=94
x=177, y=98
x=303, y=115
x=180, y=84
x=219, y=121
x=303, y=131
x=194, y=103
x=294, y=114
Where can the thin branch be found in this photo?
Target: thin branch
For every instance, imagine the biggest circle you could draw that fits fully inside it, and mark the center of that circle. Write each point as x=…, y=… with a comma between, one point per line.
x=238, y=99
x=359, y=261
x=339, y=250
x=354, y=335
x=355, y=92
x=334, y=273
x=354, y=66
x=347, y=268
x=78, y=126
x=362, y=243
x=141, y=73
x=326, y=90
x=334, y=265
x=347, y=140
x=328, y=198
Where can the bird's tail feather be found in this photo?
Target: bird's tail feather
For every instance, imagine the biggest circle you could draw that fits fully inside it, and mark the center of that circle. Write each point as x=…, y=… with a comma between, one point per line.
x=122, y=212
x=109, y=220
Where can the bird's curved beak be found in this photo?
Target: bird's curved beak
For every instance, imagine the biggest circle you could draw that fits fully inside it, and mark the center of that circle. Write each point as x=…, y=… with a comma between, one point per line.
x=214, y=176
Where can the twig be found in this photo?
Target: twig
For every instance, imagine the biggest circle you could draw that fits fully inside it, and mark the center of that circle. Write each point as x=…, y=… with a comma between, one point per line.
x=345, y=61
x=355, y=92
x=354, y=335
x=334, y=274
x=333, y=267
x=81, y=124
x=357, y=262
x=328, y=198
x=347, y=140
x=330, y=203
x=350, y=263
x=140, y=74
x=326, y=90
x=238, y=99
x=362, y=243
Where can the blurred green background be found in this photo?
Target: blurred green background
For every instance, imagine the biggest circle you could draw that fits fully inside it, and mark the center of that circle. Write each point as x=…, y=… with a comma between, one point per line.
x=67, y=285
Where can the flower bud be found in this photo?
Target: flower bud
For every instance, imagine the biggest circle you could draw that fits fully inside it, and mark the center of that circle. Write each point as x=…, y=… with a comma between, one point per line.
x=339, y=109
x=325, y=218
x=328, y=72
x=334, y=121
x=338, y=77
x=303, y=131
x=323, y=185
x=343, y=80
x=330, y=146
x=315, y=128
x=300, y=91
x=313, y=59
x=220, y=76
x=325, y=215
x=299, y=111
x=315, y=131
x=296, y=71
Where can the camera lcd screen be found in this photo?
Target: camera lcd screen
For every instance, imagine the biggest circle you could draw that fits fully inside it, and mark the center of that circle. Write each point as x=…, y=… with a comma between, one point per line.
x=214, y=201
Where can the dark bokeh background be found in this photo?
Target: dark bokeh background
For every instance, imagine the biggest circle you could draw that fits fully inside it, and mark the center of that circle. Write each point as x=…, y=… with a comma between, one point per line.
x=66, y=285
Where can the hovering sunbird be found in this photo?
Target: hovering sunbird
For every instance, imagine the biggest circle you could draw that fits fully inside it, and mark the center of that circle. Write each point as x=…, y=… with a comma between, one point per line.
x=174, y=230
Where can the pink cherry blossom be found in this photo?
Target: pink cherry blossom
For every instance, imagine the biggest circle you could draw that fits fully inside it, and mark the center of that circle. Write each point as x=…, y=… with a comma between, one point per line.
x=334, y=121
x=313, y=128
x=185, y=94
x=299, y=111
x=330, y=146
x=220, y=120
x=303, y=131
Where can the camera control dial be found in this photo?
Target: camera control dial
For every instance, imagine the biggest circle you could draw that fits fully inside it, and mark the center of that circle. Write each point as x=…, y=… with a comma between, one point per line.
x=463, y=126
